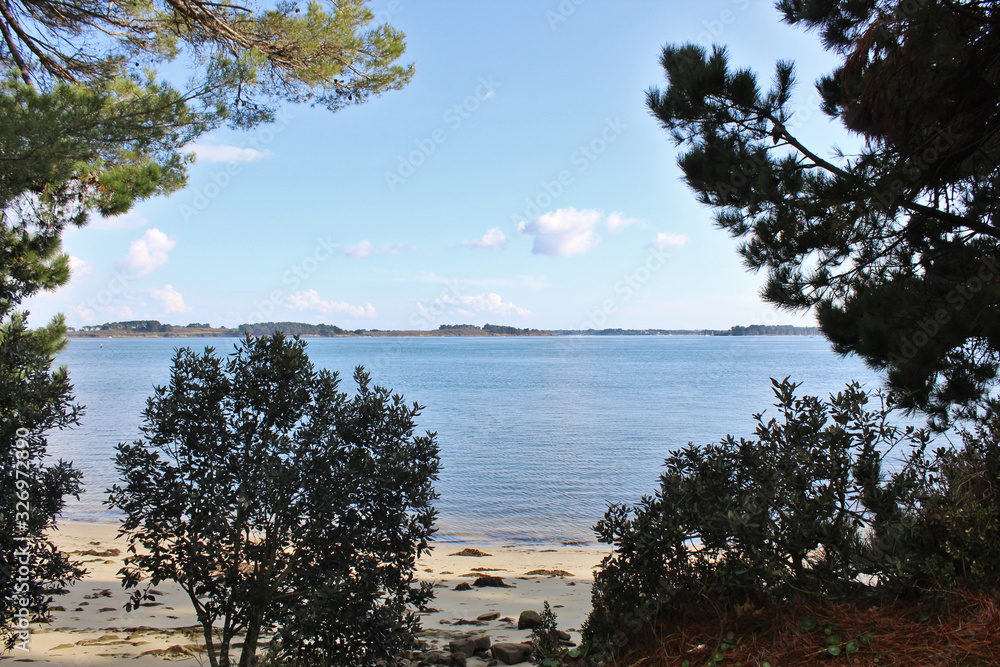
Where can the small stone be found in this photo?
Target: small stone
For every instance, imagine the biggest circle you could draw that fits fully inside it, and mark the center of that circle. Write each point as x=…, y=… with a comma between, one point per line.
x=464, y=586
x=510, y=654
x=437, y=658
x=529, y=620
x=490, y=616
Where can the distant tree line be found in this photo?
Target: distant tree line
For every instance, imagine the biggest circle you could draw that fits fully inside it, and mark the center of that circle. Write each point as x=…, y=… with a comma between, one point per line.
x=291, y=329
x=152, y=326
x=773, y=330
x=488, y=328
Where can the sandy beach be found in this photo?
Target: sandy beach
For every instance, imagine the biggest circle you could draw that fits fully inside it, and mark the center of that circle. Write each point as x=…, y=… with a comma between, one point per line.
x=91, y=626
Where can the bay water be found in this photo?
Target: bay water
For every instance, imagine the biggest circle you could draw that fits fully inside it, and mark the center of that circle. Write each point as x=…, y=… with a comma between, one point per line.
x=537, y=434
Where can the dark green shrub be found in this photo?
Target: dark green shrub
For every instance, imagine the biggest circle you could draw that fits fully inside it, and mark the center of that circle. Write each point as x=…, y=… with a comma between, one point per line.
x=281, y=505
x=954, y=509
x=788, y=512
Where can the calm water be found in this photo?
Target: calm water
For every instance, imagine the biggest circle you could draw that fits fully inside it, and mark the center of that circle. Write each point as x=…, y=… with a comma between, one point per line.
x=537, y=435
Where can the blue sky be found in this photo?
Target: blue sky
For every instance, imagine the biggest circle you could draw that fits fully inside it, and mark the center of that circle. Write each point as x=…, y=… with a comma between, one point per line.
x=518, y=179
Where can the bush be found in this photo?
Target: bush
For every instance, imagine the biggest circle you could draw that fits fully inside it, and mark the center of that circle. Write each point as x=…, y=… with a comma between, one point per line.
x=796, y=510
x=954, y=507
x=280, y=504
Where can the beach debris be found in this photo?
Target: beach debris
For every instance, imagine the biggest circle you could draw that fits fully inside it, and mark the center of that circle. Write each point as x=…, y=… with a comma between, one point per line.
x=95, y=552
x=101, y=593
x=490, y=580
x=476, y=553
x=551, y=573
x=464, y=586
x=528, y=620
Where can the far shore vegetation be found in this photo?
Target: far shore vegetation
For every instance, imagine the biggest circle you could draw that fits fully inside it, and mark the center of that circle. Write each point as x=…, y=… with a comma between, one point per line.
x=156, y=329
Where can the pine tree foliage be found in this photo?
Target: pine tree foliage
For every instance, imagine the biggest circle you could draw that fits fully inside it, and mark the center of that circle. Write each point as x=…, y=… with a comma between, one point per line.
x=896, y=247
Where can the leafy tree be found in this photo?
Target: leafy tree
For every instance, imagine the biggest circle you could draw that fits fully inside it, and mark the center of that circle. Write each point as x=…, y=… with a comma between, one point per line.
x=279, y=503
x=897, y=246
x=802, y=508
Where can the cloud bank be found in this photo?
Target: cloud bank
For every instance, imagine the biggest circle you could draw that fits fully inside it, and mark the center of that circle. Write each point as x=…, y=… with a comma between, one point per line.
x=310, y=300
x=470, y=305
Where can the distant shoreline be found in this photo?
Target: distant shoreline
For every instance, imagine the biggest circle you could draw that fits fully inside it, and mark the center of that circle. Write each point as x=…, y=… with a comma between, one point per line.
x=446, y=331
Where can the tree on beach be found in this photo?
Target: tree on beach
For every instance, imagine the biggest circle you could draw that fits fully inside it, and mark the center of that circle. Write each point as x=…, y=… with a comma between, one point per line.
x=281, y=505
x=896, y=247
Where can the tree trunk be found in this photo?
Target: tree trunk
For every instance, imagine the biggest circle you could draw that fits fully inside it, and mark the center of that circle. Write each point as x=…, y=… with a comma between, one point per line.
x=251, y=639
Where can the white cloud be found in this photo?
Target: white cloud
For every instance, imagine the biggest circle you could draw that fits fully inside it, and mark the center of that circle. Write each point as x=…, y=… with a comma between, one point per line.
x=563, y=233
x=310, y=300
x=79, y=268
x=128, y=220
x=494, y=239
x=367, y=249
x=470, y=305
x=170, y=298
x=668, y=240
x=82, y=312
x=224, y=153
x=146, y=254
x=617, y=221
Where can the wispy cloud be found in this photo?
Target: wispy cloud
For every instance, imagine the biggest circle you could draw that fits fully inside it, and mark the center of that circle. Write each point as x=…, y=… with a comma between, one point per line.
x=494, y=239
x=226, y=153
x=146, y=254
x=617, y=221
x=310, y=300
x=367, y=249
x=470, y=305
x=79, y=268
x=170, y=299
x=668, y=240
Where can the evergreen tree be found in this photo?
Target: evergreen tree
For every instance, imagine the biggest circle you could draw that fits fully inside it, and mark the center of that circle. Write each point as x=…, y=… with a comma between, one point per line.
x=897, y=246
